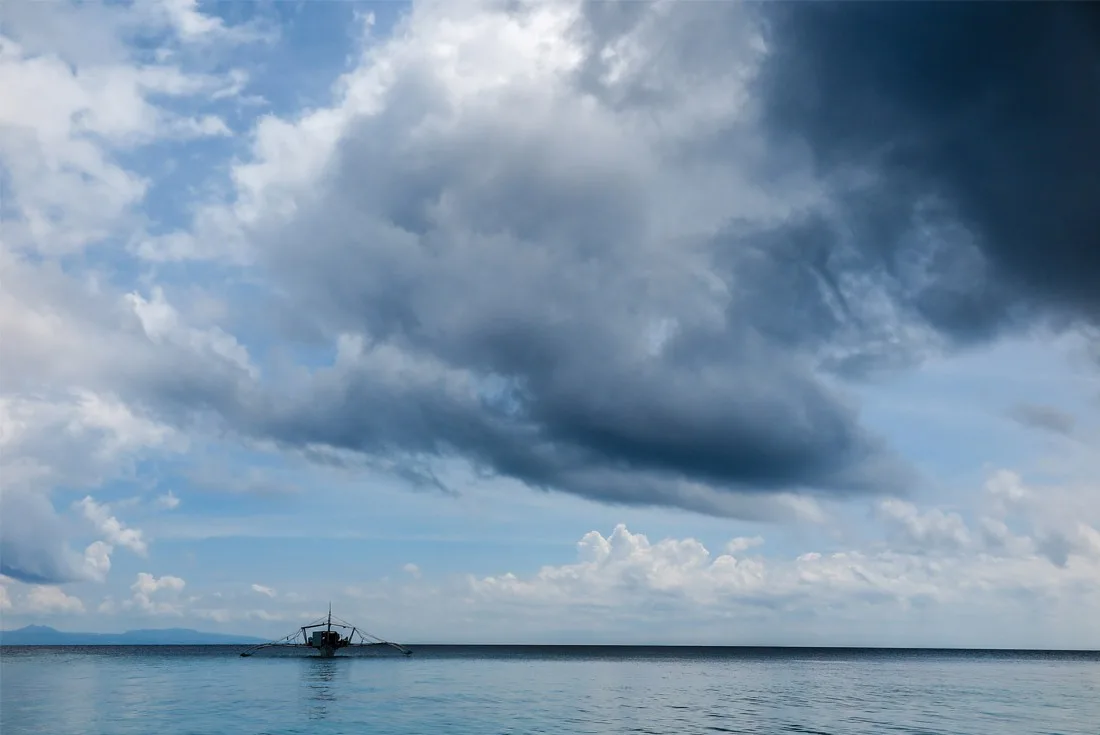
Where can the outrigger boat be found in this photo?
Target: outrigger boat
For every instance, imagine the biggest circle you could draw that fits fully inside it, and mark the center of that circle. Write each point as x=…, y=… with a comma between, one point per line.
x=328, y=641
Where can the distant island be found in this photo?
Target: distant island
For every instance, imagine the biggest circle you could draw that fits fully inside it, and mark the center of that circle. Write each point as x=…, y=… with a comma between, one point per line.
x=42, y=635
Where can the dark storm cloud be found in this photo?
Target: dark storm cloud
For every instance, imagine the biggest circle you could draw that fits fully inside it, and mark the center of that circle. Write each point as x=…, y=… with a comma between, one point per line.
x=990, y=110
x=592, y=422
x=588, y=298
x=518, y=312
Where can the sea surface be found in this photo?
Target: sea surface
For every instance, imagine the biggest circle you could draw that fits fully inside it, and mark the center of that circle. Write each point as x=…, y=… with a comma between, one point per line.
x=164, y=690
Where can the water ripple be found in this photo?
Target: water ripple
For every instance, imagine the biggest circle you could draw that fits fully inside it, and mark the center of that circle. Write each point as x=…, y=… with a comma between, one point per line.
x=169, y=691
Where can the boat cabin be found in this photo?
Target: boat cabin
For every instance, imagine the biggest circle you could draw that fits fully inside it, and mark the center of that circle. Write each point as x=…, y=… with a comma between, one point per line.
x=320, y=638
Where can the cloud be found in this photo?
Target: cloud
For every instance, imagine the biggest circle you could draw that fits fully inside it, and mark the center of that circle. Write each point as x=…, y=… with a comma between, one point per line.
x=75, y=440
x=932, y=530
x=968, y=131
x=69, y=414
x=79, y=405
x=48, y=600
x=630, y=345
x=638, y=266
x=149, y=592
x=32, y=546
x=624, y=576
x=535, y=294
x=933, y=577
x=97, y=560
x=939, y=578
x=192, y=25
x=742, y=543
x=168, y=501
x=112, y=529
x=188, y=22
x=1046, y=418
x=66, y=188
x=33, y=539
x=1064, y=518
x=150, y=595
x=411, y=569
x=147, y=584
x=263, y=590
x=78, y=433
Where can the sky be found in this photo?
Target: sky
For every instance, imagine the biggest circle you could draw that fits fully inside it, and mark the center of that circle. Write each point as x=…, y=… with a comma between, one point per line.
x=553, y=322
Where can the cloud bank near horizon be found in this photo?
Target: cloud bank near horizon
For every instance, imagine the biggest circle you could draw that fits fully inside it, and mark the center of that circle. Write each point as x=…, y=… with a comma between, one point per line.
x=1024, y=557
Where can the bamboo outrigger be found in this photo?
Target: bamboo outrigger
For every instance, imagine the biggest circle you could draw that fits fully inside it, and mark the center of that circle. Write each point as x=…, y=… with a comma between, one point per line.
x=328, y=641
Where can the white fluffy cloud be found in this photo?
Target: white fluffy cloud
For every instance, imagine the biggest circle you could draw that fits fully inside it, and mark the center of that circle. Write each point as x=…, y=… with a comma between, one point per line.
x=147, y=584
x=82, y=101
x=46, y=600
x=1063, y=518
x=60, y=128
x=48, y=438
x=157, y=595
x=112, y=529
x=164, y=596
x=97, y=560
x=932, y=529
x=937, y=563
x=75, y=440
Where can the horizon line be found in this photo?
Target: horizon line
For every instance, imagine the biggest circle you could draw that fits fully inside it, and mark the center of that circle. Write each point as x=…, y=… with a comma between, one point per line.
x=757, y=646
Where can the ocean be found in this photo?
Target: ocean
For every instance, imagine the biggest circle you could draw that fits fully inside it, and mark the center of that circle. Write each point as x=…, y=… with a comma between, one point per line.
x=169, y=690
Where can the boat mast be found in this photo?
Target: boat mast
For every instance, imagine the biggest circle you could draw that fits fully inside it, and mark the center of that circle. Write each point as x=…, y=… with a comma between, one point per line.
x=329, y=628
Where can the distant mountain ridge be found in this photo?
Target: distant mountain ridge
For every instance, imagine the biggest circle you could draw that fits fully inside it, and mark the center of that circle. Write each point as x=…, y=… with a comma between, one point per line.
x=43, y=635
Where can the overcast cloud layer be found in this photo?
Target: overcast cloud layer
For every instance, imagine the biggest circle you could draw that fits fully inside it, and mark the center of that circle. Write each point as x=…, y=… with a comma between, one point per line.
x=645, y=254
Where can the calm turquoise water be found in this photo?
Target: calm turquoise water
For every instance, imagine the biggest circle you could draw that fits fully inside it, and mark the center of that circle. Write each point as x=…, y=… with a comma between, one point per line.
x=84, y=691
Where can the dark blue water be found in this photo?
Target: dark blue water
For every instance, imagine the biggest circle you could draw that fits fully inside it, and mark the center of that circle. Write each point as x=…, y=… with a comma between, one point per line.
x=210, y=689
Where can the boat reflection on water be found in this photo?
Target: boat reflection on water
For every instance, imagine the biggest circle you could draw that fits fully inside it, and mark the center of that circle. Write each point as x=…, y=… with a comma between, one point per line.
x=320, y=679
